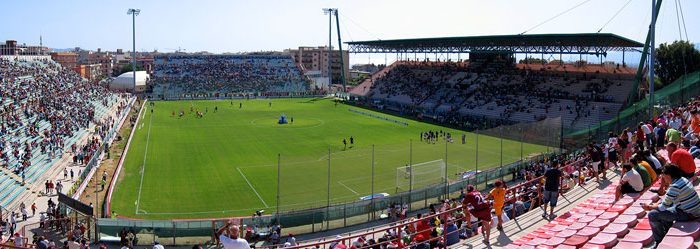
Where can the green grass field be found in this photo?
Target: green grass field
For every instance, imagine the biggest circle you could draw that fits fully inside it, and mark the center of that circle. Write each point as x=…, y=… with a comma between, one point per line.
x=225, y=164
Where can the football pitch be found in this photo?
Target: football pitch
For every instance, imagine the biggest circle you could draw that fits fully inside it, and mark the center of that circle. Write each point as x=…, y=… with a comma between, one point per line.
x=225, y=163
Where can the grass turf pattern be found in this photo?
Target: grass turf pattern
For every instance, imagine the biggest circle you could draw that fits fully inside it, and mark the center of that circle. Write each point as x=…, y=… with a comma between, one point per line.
x=224, y=164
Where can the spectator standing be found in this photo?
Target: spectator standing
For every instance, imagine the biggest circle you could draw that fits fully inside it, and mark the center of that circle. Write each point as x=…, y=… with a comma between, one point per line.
x=498, y=194
x=551, y=189
x=228, y=235
x=596, y=156
x=480, y=209
x=157, y=245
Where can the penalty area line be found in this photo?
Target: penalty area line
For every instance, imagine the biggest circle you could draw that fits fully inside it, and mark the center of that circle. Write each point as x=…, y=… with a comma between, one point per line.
x=251, y=187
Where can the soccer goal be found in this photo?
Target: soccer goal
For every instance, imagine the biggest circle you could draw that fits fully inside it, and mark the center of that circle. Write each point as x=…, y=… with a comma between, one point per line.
x=420, y=175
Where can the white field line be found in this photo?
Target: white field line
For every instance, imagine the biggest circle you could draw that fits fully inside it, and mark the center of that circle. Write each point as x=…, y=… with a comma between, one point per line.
x=351, y=190
x=251, y=187
x=143, y=166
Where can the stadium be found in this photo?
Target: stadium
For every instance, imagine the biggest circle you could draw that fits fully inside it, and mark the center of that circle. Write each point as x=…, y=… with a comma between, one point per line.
x=526, y=140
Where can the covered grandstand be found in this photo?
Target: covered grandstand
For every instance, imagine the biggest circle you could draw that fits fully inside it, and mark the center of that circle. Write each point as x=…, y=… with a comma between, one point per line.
x=492, y=85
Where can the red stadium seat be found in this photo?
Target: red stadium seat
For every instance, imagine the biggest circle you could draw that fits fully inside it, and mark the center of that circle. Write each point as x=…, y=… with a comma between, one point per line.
x=511, y=246
x=577, y=226
x=617, y=229
x=520, y=241
x=633, y=195
x=608, y=216
x=558, y=228
x=596, y=212
x=535, y=242
x=605, y=200
x=649, y=196
x=592, y=246
x=685, y=229
x=588, y=232
x=580, y=210
x=587, y=218
x=554, y=241
x=566, y=233
x=643, y=225
x=628, y=245
x=544, y=247
x=672, y=242
x=565, y=247
x=625, y=201
x=630, y=220
x=639, y=236
x=564, y=222
x=617, y=208
x=564, y=215
x=602, y=206
x=599, y=223
x=545, y=234
x=605, y=239
x=577, y=216
x=576, y=241
x=636, y=211
x=549, y=225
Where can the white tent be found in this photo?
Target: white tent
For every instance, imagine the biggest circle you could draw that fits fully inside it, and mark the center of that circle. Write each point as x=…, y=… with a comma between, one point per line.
x=125, y=81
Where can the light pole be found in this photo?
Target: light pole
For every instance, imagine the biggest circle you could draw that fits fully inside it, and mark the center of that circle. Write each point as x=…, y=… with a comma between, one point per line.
x=133, y=13
x=329, y=12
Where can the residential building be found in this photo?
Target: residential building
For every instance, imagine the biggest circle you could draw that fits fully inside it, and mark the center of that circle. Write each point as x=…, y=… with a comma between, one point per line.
x=316, y=59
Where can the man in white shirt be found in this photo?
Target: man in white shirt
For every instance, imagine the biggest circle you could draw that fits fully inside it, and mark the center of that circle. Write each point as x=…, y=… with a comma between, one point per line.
x=631, y=182
x=228, y=236
x=157, y=245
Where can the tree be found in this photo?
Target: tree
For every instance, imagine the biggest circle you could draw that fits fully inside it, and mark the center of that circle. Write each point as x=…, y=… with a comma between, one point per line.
x=532, y=60
x=127, y=68
x=675, y=60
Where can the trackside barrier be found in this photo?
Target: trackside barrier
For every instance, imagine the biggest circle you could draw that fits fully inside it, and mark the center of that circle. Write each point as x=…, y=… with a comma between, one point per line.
x=115, y=177
x=372, y=232
x=91, y=166
x=210, y=96
x=378, y=117
x=180, y=232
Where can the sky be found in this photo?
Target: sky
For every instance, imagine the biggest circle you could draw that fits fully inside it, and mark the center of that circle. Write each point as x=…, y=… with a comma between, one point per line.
x=266, y=25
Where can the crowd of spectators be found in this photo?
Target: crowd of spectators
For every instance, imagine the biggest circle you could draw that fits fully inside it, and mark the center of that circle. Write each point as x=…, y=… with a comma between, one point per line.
x=43, y=108
x=447, y=89
x=46, y=104
x=222, y=74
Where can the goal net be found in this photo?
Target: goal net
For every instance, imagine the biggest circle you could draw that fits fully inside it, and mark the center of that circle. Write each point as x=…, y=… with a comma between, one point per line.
x=420, y=175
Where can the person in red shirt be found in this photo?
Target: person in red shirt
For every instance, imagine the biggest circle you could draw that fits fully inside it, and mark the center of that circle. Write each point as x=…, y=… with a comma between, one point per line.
x=480, y=209
x=423, y=227
x=682, y=158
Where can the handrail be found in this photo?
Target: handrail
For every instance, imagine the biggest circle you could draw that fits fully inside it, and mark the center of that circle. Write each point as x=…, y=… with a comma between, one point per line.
x=397, y=225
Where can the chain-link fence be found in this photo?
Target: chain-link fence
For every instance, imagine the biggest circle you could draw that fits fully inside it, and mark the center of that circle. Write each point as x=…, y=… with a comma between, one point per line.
x=677, y=93
x=349, y=184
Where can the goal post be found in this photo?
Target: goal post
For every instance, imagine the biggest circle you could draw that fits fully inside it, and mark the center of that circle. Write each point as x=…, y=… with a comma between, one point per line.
x=420, y=175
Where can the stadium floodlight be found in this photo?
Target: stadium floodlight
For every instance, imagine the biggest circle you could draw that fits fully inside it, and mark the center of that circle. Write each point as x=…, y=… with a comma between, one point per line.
x=329, y=12
x=133, y=13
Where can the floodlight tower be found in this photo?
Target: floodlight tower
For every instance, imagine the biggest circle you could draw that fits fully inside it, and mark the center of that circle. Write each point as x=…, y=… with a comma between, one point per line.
x=329, y=12
x=133, y=13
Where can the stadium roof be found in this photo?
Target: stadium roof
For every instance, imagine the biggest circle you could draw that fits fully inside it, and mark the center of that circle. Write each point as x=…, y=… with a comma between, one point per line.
x=125, y=81
x=582, y=43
